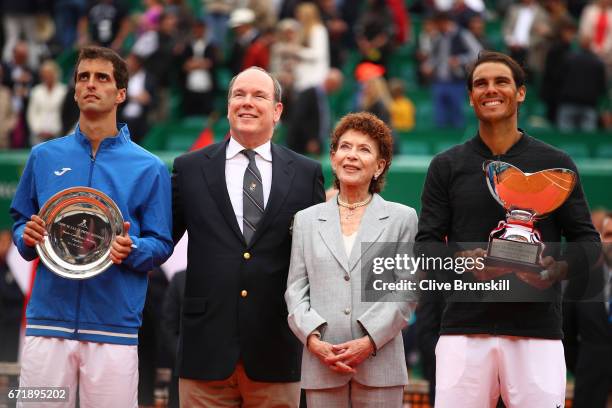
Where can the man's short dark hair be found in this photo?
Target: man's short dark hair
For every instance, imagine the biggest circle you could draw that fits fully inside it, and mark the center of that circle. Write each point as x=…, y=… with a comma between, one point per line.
x=278, y=91
x=518, y=73
x=120, y=71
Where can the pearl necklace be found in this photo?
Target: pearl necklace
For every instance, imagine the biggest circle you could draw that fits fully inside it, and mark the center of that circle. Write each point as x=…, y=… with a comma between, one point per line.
x=352, y=207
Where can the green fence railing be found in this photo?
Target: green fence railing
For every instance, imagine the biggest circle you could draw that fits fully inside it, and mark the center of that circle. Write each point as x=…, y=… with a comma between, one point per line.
x=404, y=183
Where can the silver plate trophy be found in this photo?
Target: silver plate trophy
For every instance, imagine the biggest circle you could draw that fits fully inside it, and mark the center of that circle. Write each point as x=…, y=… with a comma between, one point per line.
x=81, y=224
x=527, y=197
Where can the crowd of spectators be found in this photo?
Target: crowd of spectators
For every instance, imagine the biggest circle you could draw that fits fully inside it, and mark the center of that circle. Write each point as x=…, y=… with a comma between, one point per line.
x=190, y=48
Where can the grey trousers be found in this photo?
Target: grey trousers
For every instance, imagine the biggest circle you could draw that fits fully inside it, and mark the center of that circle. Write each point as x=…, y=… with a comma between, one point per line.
x=356, y=395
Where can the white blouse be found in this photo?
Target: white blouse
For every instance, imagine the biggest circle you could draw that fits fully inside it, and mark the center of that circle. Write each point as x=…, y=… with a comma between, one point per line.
x=349, y=241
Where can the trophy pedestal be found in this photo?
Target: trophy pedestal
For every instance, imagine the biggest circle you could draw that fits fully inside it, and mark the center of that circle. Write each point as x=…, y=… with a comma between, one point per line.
x=515, y=244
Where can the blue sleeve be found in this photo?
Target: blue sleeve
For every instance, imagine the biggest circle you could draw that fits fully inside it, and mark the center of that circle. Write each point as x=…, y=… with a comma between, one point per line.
x=154, y=245
x=23, y=206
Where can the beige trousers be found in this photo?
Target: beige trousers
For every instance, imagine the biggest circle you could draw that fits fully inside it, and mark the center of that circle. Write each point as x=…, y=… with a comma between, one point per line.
x=238, y=391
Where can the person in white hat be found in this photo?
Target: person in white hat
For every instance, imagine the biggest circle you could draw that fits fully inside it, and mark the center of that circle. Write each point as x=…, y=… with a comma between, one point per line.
x=241, y=21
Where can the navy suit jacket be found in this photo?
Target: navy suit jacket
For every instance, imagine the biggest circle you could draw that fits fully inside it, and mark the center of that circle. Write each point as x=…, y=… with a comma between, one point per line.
x=234, y=307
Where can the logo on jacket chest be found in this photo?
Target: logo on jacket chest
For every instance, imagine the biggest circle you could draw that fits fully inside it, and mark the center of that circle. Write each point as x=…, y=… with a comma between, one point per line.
x=62, y=171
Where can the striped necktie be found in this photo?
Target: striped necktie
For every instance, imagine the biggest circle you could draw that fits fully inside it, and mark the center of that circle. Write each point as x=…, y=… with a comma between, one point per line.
x=252, y=197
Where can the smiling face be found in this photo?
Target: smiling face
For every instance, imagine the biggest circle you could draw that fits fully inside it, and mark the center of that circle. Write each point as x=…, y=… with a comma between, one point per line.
x=95, y=88
x=251, y=110
x=356, y=160
x=494, y=94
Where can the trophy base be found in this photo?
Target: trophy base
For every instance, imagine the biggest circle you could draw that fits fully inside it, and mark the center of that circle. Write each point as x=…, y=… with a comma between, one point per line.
x=518, y=255
x=516, y=266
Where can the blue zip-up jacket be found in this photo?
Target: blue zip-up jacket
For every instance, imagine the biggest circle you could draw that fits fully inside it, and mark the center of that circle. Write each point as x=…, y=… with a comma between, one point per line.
x=108, y=307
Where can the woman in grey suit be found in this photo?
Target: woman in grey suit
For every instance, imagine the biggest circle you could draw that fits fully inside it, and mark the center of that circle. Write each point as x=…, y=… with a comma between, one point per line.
x=354, y=353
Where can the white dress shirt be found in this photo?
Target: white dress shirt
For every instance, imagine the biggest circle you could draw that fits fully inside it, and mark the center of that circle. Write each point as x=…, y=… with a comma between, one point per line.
x=236, y=164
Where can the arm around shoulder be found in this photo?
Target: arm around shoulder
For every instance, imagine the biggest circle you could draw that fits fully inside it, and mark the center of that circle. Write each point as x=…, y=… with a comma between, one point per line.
x=154, y=244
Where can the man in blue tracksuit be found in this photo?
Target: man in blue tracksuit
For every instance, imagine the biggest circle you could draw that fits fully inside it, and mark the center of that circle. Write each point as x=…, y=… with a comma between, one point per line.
x=85, y=332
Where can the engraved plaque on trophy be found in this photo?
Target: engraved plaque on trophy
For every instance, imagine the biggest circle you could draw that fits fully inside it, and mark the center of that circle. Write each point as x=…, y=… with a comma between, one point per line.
x=81, y=224
x=526, y=197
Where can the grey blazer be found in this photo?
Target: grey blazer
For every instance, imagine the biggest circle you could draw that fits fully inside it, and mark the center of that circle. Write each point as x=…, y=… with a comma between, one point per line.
x=324, y=288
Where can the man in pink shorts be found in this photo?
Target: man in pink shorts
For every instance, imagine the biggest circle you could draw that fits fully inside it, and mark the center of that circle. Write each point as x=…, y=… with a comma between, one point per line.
x=84, y=333
x=512, y=349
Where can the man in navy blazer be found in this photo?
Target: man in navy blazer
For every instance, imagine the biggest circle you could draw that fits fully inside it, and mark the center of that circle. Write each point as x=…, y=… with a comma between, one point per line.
x=235, y=346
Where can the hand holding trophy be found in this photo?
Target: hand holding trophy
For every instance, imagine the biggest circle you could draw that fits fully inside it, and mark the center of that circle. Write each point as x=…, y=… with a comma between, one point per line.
x=527, y=197
x=34, y=231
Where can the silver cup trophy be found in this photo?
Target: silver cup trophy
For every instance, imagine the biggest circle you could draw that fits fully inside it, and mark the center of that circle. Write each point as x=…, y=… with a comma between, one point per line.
x=81, y=224
x=527, y=197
